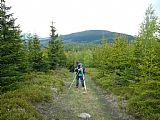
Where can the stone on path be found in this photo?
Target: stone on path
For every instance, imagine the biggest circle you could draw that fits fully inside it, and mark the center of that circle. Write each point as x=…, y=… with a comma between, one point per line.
x=84, y=115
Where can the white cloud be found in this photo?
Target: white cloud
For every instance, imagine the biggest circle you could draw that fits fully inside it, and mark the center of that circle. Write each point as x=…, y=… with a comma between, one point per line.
x=124, y=16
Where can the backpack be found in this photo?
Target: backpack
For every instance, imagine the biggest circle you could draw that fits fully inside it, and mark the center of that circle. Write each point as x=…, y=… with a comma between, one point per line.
x=81, y=71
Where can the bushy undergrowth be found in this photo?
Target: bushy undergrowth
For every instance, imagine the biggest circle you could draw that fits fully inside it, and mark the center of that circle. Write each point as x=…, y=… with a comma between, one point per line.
x=17, y=99
x=145, y=103
x=143, y=98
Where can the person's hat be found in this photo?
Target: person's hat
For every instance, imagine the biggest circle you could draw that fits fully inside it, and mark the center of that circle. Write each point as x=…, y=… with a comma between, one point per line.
x=77, y=62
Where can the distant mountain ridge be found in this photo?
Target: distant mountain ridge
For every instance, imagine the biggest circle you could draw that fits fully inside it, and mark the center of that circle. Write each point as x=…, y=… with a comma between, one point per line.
x=88, y=36
x=94, y=36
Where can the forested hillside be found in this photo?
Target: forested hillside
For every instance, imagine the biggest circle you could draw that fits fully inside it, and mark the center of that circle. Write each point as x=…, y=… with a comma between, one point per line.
x=91, y=36
x=85, y=37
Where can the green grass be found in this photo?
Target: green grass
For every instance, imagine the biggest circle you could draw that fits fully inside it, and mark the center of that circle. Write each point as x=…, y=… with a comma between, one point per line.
x=16, y=101
x=74, y=101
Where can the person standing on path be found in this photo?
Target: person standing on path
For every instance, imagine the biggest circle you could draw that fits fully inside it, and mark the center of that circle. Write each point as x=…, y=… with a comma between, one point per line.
x=80, y=71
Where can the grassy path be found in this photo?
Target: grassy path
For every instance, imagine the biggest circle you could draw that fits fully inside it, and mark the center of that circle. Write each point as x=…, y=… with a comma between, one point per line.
x=73, y=102
x=46, y=96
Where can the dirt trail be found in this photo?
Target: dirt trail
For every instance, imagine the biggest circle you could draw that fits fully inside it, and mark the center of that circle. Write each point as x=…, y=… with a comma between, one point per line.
x=68, y=105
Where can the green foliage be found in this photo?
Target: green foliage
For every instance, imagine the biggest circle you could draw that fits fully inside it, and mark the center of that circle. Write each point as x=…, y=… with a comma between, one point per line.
x=35, y=54
x=145, y=102
x=56, y=55
x=79, y=46
x=113, y=59
x=79, y=52
x=19, y=98
x=19, y=109
x=84, y=57
x=147, y=48
x=132, y=70
x=11, y=48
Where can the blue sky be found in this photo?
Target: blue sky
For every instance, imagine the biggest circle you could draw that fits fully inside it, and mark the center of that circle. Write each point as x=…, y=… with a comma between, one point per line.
x=124, y=16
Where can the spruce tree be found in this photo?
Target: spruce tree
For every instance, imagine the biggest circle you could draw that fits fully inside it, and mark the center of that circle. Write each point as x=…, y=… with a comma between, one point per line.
x=148, y=40
x=35, y=55
x=10, y=46
x=136, y=59
x=56, y=56
x=120, y=59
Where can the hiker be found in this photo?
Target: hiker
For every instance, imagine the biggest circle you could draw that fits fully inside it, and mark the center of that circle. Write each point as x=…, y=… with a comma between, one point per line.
x=80, y=71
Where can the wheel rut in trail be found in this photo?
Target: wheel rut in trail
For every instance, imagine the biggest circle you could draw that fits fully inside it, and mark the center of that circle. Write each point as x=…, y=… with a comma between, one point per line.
x=72, y=102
